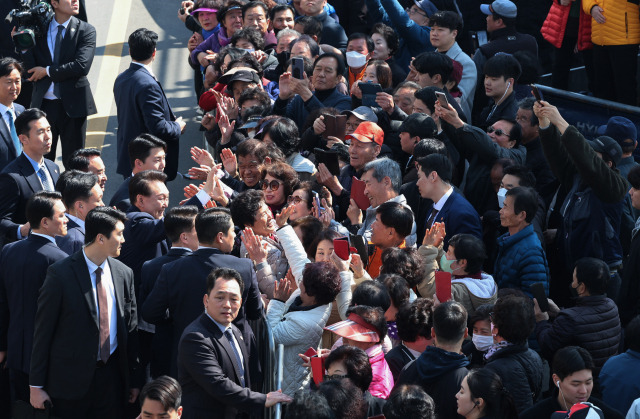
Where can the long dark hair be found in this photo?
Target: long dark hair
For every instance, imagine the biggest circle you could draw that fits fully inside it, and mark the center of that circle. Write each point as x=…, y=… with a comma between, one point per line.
x=486, y=384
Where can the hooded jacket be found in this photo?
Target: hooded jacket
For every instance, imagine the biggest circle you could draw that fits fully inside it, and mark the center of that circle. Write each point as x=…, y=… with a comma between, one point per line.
x=440, y=374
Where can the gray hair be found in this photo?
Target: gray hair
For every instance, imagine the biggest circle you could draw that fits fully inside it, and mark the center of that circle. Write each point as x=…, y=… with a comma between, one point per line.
x=385, y=167
x=288, y=32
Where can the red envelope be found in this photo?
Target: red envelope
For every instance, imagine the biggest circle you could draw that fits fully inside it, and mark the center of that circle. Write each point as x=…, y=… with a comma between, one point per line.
x=357, y=193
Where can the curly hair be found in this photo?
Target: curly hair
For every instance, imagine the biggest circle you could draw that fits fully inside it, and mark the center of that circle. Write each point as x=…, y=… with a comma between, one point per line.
x=283, y=172
x=356, y=361
x=245, y=207
x=415, y=320
x=404, y=262
x=345, y=399
x=409, y=401
x=251, y=35
x=322, y=281
x=514, y=318
x=397, y=288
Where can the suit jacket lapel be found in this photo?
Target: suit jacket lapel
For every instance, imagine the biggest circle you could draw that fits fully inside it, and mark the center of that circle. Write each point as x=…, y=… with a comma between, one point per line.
x=29, y=174
x=118, y=287
x=54, y=170
x=224, y=342
x=84, y=280
x=67, y=44
x=6, y=135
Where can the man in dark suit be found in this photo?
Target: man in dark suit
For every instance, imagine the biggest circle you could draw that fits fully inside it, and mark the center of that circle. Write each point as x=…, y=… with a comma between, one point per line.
x=10, y=85
x=449, y=207
x=26, y=175
x=85, y=339
x=59, y=65
x=143, y=106
x=180, y=284
x=179, y=226
x=146, y=152
x=23, y=267
x=81, y=194
x=213, y=361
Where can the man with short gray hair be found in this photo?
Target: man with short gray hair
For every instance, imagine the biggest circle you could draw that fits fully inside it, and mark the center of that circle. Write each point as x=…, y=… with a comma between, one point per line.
x=382, y=179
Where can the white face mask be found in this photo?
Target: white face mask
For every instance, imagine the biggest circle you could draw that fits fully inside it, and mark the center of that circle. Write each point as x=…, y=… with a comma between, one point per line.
x=502, y=193
x=355, y=59
x=482, y=343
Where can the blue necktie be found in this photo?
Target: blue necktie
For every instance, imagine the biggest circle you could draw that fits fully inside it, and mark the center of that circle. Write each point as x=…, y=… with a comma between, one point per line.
x=56, y=58
x=14, y=134
x=46, y=184
x=229, y=336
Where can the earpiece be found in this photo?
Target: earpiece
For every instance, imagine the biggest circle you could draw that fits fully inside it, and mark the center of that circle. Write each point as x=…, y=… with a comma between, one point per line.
x=558, y=383
x=476, y=402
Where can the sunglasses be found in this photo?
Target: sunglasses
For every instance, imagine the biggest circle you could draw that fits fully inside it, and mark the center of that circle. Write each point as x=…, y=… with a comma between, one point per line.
x=274, y=185
x=497, y=131
x=294, y=200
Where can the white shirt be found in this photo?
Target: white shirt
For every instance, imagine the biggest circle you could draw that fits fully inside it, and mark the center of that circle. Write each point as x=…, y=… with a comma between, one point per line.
x=235, y=342
x=51, y=42
x=438, y=205
x=147, y=67
x=107, y=282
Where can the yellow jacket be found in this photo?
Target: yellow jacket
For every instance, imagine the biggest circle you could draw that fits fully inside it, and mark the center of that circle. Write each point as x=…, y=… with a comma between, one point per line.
x=622, y=25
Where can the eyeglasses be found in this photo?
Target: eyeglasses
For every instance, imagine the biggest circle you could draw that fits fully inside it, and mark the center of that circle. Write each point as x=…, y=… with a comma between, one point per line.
x=274, y=185
x=334, y=377
x=497, y=131
x=294, y=199
x=412, y=11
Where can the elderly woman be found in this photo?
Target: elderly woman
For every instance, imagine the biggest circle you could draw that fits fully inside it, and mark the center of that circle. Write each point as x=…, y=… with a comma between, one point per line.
x=297, y=319
x=279, y=180
x=250, y=210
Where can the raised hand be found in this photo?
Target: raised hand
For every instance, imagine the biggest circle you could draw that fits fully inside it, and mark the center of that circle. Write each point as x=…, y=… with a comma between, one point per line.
x=357, y=265
x=282, y=290
x=229, y=162
x=283, y=217
x=448, y=114
x=202, y=157
x=256, y=249
x=434, y=235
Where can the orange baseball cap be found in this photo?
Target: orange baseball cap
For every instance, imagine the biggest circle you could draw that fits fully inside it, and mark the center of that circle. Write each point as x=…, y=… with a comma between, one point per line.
x=368, y=132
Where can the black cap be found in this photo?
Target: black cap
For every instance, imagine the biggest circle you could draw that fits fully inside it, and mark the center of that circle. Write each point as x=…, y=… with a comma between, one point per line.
x=608, y=146
x=419, y=125
x=240, y=75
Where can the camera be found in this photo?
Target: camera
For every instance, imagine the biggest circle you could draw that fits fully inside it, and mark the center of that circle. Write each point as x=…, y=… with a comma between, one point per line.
x=31, y=23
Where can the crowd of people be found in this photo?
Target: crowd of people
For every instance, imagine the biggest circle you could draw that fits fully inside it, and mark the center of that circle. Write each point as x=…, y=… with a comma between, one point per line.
x=378, y=186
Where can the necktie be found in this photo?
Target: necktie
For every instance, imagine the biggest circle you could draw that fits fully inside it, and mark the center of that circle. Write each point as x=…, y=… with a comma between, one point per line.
x=56, y=57
x=46, y=183
x=431, y=218
x=103, y=311
x=229, y=336
x=14, y=134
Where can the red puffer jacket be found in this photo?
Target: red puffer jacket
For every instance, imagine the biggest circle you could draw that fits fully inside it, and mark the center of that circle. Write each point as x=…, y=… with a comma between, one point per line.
x=554, y=26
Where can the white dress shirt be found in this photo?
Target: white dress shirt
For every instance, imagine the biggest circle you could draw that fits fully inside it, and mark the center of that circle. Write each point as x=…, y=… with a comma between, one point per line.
x=107, y=282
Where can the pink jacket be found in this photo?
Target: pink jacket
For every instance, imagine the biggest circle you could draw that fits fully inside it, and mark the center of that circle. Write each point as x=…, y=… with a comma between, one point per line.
x=382, y=382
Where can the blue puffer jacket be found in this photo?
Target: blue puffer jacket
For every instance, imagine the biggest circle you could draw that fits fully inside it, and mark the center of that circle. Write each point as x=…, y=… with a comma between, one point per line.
x=521, y=261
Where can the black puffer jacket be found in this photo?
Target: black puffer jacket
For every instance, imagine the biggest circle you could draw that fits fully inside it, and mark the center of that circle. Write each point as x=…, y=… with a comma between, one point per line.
x=592, y=324
x=521, y=371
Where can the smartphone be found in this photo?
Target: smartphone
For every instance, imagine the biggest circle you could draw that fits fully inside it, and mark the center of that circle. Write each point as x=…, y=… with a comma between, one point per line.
x=297, y=68
x=443, y=286
x=442, y=98
x=310, y=352
x=341, y=247
x=536, y=92
x=537, y=290
x=317, y=369
x=369, y=93
x=186, y=176
x=316, y=196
